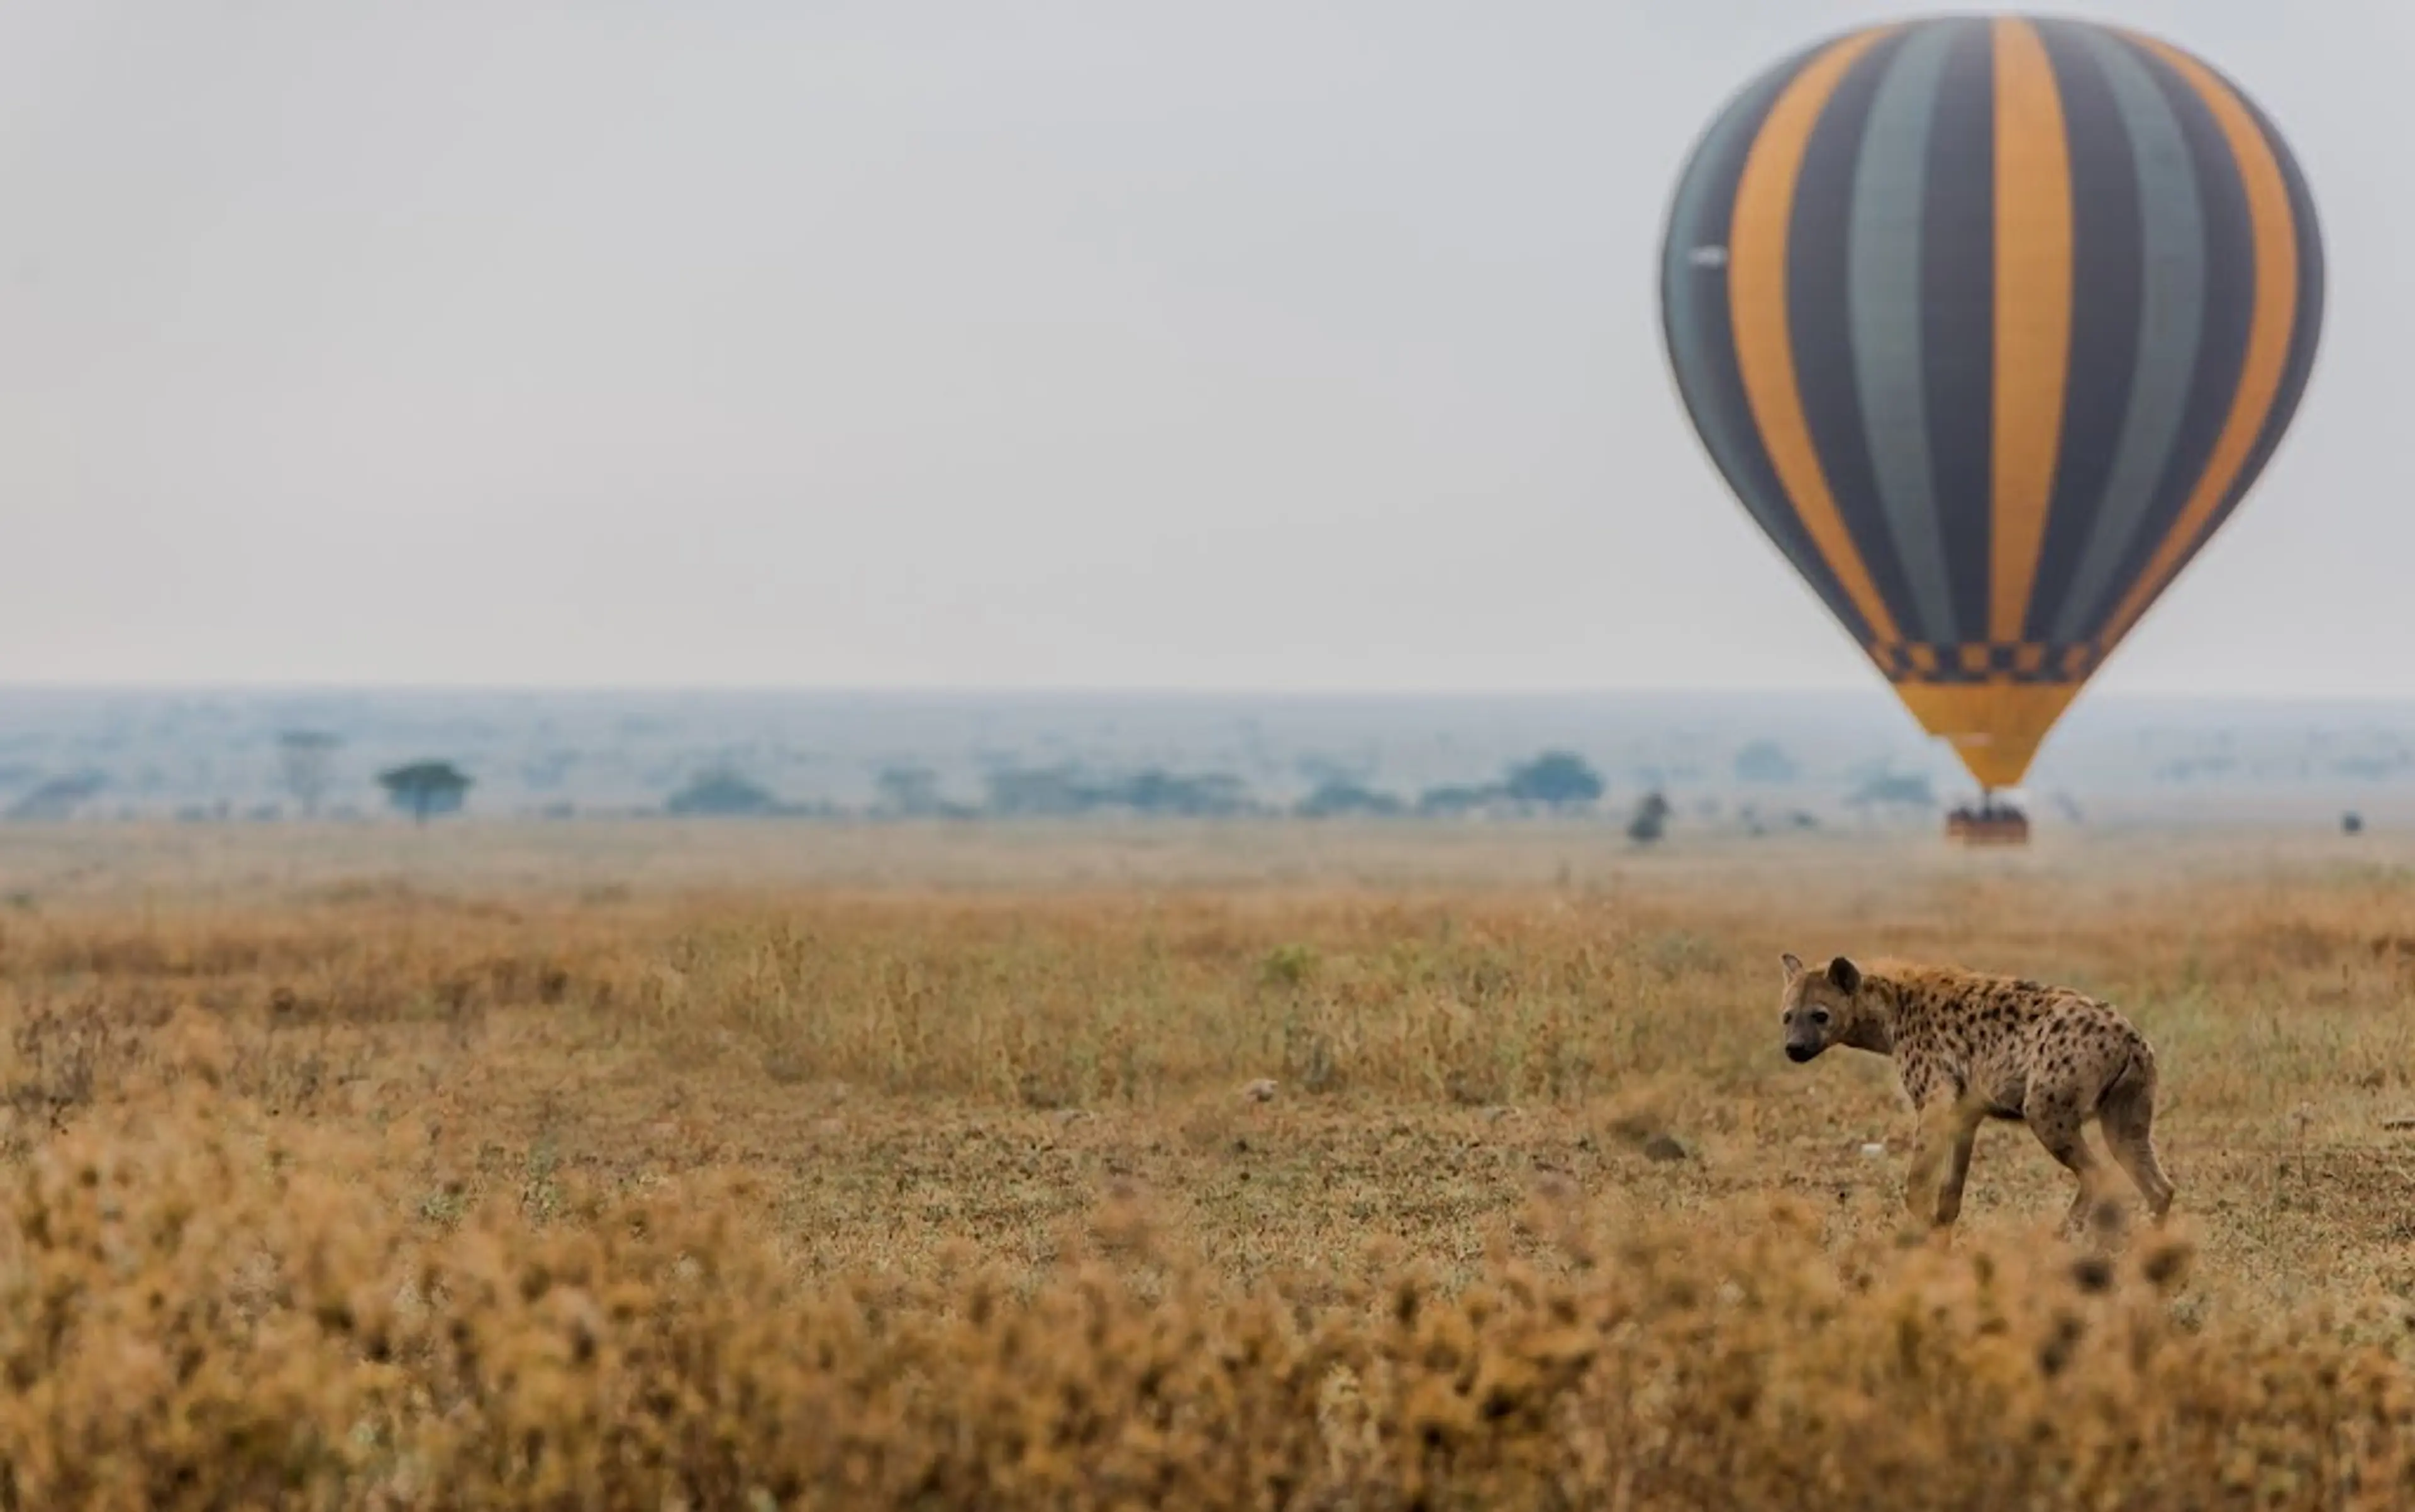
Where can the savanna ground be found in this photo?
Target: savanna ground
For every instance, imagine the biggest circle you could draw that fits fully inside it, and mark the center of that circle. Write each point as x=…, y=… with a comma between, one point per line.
x=791, y=1166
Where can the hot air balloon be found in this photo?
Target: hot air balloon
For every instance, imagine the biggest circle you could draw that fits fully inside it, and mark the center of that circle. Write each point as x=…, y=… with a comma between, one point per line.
x=1990, y=321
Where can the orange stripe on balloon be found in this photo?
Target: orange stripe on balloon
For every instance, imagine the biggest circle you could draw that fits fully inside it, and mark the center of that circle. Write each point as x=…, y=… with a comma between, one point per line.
x=2032, y=315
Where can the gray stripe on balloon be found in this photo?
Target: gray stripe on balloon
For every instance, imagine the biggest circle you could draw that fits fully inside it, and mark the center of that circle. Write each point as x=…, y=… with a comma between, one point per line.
x=2173, y=221
x=1882, y=291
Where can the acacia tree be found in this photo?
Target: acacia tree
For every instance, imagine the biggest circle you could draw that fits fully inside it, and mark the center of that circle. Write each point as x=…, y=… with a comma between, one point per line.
x=306, y=756
x=424, y=788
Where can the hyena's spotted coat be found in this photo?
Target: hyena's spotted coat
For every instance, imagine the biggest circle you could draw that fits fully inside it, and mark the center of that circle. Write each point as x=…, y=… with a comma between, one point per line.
x=1970, y=1047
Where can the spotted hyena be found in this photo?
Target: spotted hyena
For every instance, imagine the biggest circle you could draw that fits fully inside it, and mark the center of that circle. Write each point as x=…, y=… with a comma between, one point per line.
x=1970, y=1047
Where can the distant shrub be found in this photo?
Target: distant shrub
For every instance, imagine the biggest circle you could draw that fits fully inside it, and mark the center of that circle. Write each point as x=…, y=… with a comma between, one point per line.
x=1065, y=790
x=1765, y=762
x=1339, y=797
x=724, y=793
x=1556, y=779
x=1650, y=820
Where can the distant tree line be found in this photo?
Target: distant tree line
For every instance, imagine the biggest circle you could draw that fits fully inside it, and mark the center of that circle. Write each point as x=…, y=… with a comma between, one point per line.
x=305, y=765
x=1555, y=782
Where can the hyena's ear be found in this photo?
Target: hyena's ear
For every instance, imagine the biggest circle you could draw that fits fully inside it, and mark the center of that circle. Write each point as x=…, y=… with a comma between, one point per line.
x=1792, y=963
x=1845, y=975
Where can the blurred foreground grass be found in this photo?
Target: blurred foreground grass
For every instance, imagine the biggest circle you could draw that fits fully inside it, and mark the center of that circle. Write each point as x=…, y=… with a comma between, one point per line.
x=530, y=1188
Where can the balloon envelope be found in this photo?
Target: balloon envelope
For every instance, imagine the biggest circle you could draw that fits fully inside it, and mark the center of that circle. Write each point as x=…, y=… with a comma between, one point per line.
x=1991, y=323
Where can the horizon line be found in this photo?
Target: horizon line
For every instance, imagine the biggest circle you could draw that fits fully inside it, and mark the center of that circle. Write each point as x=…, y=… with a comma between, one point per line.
x=1131, y=690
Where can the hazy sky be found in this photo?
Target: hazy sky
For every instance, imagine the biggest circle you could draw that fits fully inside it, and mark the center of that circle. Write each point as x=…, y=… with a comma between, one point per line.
x=1237, y=344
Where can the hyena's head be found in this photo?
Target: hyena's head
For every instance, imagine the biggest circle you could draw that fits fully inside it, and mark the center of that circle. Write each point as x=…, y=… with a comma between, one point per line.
x=1817, y=1008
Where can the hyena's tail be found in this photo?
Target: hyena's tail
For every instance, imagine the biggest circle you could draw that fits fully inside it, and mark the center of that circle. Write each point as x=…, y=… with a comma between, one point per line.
x=2138, y=1077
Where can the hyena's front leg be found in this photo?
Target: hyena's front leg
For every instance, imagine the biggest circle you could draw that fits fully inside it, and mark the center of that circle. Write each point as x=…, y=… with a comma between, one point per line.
x=1947, y=1129
x=1960, y=1140
x=1928, y=1152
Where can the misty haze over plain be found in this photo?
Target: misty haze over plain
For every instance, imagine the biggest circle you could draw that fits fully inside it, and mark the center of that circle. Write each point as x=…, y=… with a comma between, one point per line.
x=830, y=344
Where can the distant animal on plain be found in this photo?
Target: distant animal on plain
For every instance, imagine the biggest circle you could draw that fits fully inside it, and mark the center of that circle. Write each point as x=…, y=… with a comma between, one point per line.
x=1970, y=1047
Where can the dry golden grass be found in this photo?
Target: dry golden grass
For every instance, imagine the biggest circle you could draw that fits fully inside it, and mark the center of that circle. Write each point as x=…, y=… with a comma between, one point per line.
x=483, y=1183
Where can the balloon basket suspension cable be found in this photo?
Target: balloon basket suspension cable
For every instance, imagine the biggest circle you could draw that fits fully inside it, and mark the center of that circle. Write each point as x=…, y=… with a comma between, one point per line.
x=1994, y=822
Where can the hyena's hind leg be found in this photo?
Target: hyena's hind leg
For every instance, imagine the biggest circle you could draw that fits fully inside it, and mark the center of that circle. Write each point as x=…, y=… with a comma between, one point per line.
x=2127, y=1115
x=2054, y=1116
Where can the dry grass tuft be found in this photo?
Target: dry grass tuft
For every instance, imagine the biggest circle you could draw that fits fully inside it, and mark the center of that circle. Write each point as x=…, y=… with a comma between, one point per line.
x=203, y=1309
